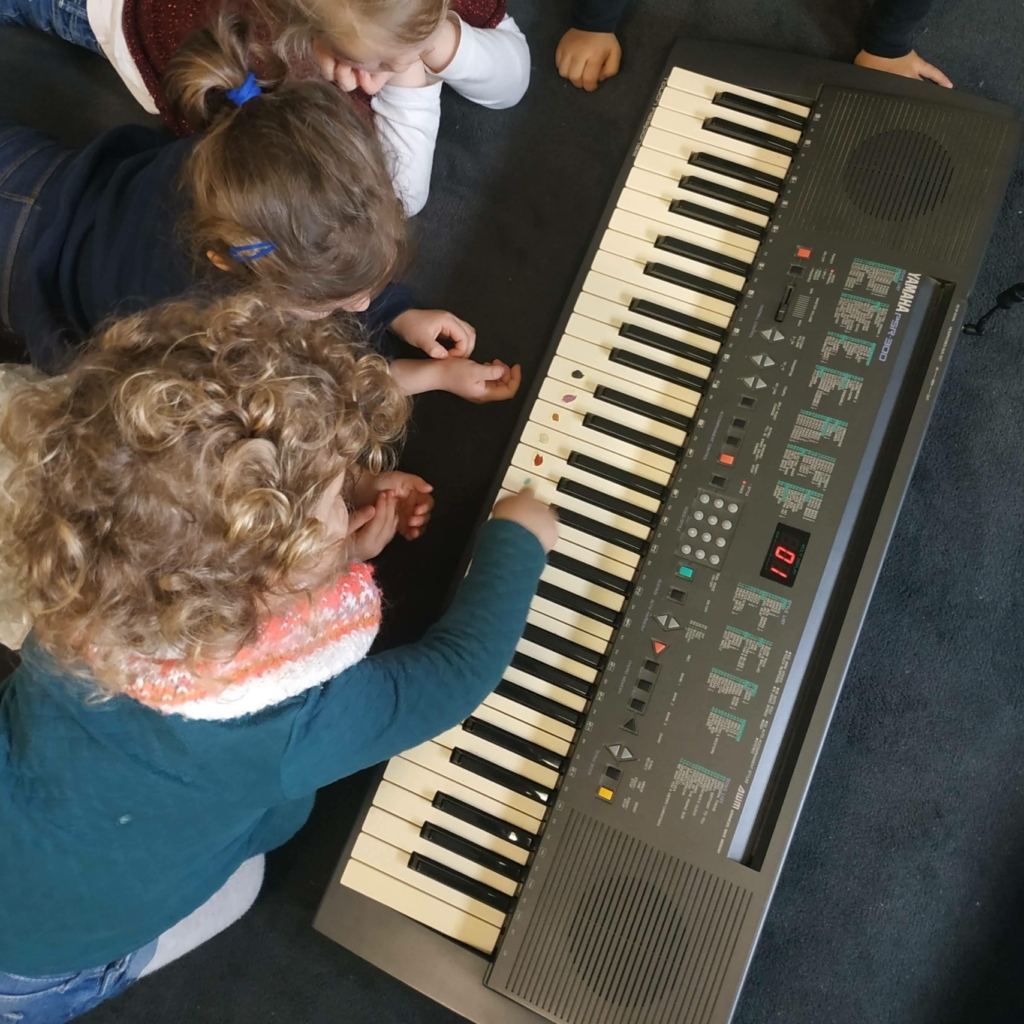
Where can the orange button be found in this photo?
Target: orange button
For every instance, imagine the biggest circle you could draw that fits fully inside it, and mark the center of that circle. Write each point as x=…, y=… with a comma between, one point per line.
x=803, y=253
x=726, y=459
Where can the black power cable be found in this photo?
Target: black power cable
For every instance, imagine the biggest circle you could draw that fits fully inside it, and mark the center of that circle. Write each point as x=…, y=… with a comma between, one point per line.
x=1004, y=300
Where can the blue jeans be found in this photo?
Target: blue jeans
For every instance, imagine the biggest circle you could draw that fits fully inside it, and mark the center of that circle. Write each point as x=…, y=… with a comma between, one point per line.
x=28, y=160
x=66, y=19
x=60, y=998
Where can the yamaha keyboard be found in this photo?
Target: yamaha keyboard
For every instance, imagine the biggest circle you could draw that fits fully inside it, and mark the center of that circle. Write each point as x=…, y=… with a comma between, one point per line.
x=726, y=420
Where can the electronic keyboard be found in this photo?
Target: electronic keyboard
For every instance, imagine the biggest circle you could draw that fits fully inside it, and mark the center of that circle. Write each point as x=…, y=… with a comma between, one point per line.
x=726, y=421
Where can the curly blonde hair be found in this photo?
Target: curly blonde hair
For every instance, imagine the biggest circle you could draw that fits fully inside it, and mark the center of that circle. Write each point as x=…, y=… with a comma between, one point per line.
x=165, y=488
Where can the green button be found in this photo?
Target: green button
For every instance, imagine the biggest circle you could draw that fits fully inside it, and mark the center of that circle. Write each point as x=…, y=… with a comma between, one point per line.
x=686, y=572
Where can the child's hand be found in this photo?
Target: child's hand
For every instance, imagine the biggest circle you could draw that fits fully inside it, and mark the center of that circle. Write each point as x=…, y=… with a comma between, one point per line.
x=479, y=382
x=523, y=508
x=422, y=328
x=372, y=527
x=346, y=77
x=413, y=497
x=586, y=58
x=909, y=66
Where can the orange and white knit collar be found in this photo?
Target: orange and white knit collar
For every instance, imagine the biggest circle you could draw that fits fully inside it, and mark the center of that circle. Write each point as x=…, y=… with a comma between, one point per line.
x=294, y=651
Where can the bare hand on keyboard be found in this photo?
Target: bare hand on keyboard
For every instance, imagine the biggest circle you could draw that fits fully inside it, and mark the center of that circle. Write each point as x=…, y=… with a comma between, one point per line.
x=909, y=66
x=523, y=508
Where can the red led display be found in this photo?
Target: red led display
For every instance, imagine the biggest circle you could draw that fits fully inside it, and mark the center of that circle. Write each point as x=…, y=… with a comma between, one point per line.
x=785, y=553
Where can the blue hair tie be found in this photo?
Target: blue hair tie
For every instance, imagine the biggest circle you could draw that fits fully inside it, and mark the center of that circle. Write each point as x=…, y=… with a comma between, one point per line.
x=252, y=251
x=246, y=91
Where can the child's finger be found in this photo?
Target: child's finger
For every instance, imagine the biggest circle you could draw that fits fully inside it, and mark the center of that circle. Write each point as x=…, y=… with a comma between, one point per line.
x=360, y=517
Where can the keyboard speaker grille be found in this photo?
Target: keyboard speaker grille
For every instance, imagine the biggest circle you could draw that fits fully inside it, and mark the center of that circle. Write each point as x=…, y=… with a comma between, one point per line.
x=905, y=175
x=627, y=935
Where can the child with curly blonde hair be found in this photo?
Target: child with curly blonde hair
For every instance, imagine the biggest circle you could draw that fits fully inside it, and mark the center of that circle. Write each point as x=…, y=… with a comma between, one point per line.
x=179, y=518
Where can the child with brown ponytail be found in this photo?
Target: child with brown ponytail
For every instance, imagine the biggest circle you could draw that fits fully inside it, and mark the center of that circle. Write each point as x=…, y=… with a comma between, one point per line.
x=286, y=190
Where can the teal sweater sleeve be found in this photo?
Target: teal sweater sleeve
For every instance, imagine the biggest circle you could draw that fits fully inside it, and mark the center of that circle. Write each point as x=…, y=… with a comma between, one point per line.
x=392, y=701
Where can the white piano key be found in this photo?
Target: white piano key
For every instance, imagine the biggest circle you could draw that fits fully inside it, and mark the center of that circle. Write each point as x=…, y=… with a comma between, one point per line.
x=729, y=243
x=676, y=164
x=588, y=365
x=529, y=716
x=634, y=238
x=552, y=468
x=545, y=491
x=543, y=688
x=567, y=632
x=692, y=129
x=434, y=756
x=426, y=784
x=571, y=549
x=405, y=836
x=600, y=630
x=560, y=661
x=516, y=722
x=658, y=140
x=554, y=441
x=420, y=906
x=701, y=85
x=584, y=588
x=419, y=810
x=701, y=108
x=390, y=860
x=631, y=273
x=494, y=753
x=598, y=321
x=567, y=421
x=667, y=189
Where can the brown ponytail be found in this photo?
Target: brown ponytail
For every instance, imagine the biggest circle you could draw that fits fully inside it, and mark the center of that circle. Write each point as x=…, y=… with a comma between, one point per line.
x=298, y=165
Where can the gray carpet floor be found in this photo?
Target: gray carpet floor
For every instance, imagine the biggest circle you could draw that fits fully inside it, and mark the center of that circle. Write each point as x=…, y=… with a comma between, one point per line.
x=903, y=898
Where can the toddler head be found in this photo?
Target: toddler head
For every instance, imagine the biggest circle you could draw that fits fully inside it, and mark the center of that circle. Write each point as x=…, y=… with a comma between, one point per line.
x=288, y=189
x=186, y=474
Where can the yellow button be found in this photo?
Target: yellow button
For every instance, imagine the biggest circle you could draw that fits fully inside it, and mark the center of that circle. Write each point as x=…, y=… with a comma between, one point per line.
x=605, y=793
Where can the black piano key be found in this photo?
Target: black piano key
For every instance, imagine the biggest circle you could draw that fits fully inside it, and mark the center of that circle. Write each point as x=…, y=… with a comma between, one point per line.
x=591, y=573
x=733, y=170
x=489, y=823
x=626, y=358
x=471, y=851
x=631, y=436
x=717, y=218
x=459, y=882
x=755, y=108
x=542, y=705
x=618, y=476
x=740, y=132
x=697, y=252
x=674, y=318
x=578, y=521
x=558, y=644
x=550, y=674
x=654, y=412
x=606, y=501
x=677, y=348
x=713, y=190
x=516, y=744
x=673, y=275
x=509, y=780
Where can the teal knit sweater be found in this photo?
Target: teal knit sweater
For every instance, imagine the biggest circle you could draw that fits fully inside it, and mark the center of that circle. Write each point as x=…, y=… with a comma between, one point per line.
x=116, y=821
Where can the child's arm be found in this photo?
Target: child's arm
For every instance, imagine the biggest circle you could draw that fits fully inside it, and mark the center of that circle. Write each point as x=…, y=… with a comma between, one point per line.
x=476, y=382
x=887, y=40
x=403, y=697
x=490, y=66
x=589, y=52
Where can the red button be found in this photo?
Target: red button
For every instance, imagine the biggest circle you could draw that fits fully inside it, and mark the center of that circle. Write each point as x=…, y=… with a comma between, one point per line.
x=658, y=646
x=803, y=253
x=726, y=459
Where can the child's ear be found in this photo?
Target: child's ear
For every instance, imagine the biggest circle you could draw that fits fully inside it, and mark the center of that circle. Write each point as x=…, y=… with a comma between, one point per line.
x=217, y=260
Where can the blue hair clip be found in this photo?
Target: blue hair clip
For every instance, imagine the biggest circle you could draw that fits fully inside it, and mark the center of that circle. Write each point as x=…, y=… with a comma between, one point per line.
x=252, y=251
x=246, y=91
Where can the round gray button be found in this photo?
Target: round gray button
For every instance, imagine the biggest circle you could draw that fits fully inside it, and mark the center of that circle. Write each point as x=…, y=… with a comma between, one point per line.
x=726, y=524
x=706, y=537
x=685, y=549
x=698, y=515
x=714, y=559
x=705, y=498
x=701, y=553
x=712, y=520
x=692, y=531
x=719, y=503
x=719, y=542
x=733, y=507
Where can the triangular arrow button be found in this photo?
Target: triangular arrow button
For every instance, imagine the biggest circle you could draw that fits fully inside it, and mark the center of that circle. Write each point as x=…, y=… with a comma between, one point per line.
x=625, y=754
x=767, y=335
x=749, y=381
x=768, y=361
x=615, y=749
x=778, y=336
x=658, y=646
x=757, y=360
x=630, y=726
